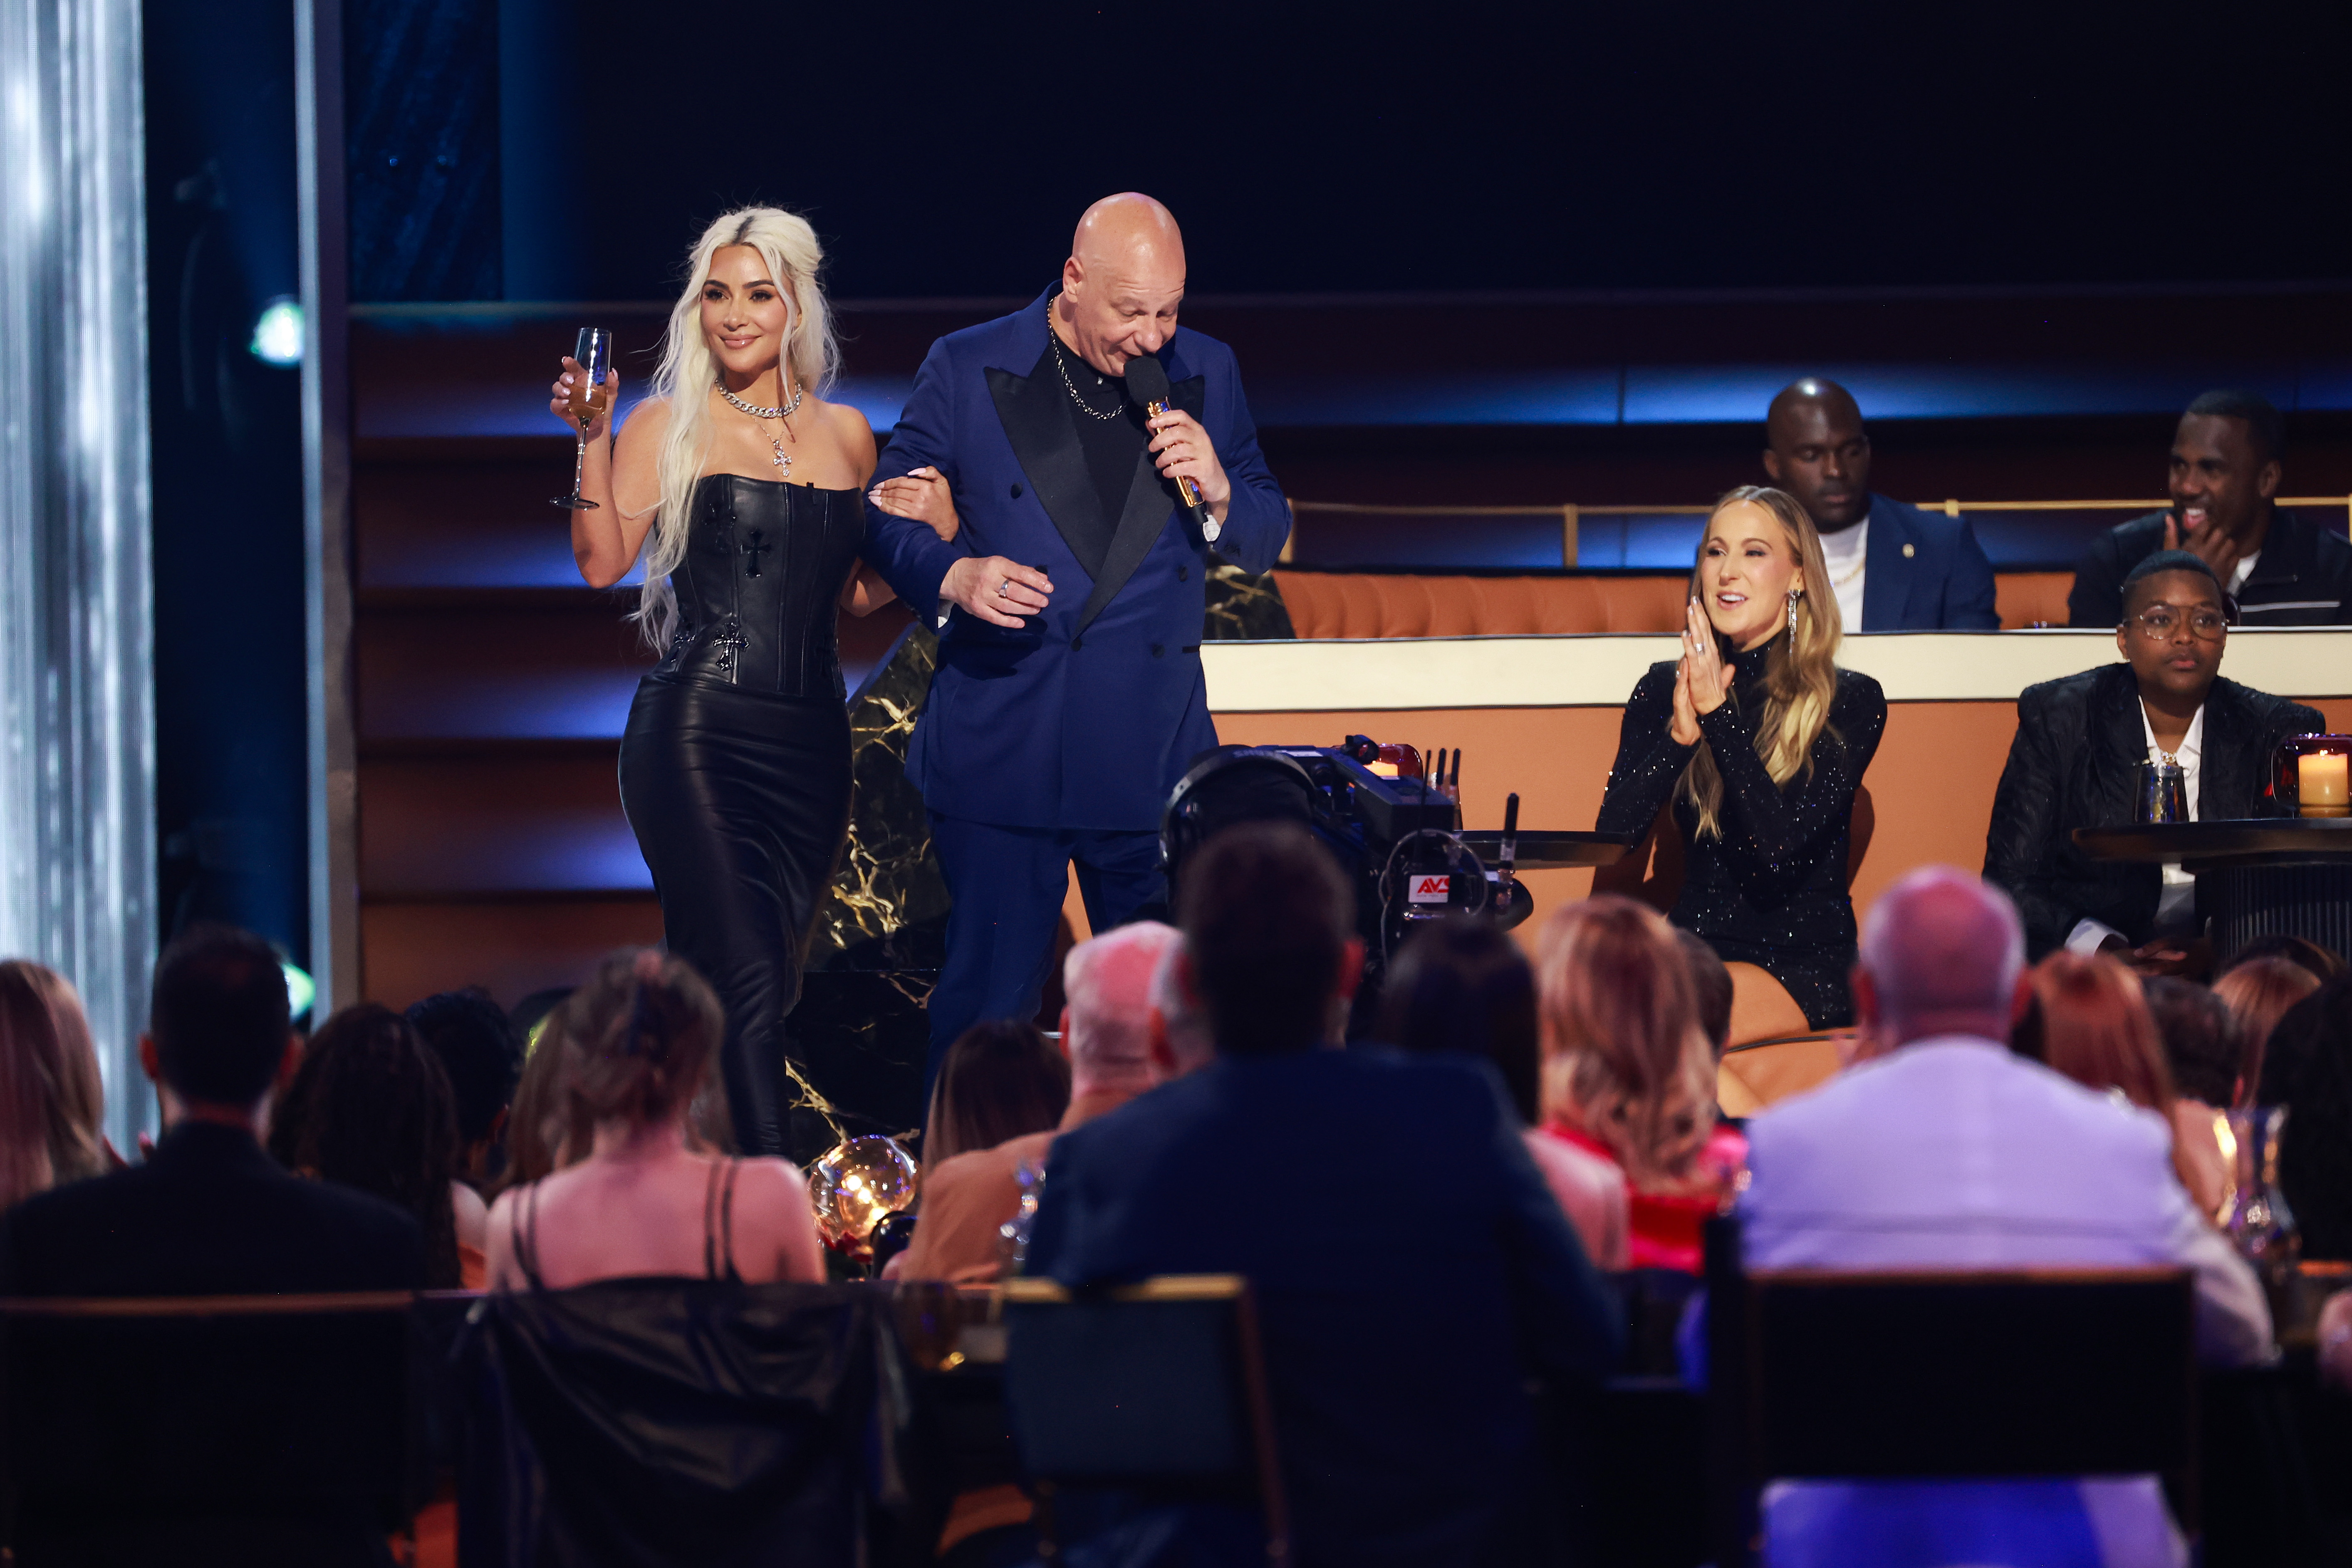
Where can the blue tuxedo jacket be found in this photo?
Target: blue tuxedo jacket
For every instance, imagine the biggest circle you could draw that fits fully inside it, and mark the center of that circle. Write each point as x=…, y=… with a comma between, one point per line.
x=1085, y=717
x=1412, y=1273
x=1926, y=573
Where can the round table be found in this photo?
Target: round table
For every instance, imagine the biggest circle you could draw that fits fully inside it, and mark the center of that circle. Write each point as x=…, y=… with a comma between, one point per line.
x=2282, y=876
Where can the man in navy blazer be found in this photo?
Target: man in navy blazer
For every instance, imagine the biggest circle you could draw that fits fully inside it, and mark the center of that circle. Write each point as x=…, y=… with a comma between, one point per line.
x=1412, y=1273
x=1892, y=567
x=1068, y=698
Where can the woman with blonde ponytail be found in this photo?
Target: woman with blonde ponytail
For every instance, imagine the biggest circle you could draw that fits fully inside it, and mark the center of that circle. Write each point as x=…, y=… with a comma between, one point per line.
x=1757, y=741
x=743, y=490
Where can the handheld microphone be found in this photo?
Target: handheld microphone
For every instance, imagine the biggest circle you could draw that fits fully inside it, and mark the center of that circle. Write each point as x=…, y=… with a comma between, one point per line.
x=1147, y=384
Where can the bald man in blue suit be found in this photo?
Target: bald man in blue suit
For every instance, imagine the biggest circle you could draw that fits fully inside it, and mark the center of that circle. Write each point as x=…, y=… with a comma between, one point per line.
x=1068, y=698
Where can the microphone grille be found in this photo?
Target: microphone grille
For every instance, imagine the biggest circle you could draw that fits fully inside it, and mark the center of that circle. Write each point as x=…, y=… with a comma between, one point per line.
x=1147, y=380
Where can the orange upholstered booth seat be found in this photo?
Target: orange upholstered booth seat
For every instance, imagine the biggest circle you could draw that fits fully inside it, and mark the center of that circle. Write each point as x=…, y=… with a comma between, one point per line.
x=1391, y=604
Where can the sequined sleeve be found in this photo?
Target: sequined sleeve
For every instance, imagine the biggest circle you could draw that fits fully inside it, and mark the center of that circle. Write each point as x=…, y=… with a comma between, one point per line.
x=1770, y=833
x=1649, y=762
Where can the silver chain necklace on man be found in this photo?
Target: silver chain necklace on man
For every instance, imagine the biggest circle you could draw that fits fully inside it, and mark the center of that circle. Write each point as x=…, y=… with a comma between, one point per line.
x=783, y=459
x=1056, y=338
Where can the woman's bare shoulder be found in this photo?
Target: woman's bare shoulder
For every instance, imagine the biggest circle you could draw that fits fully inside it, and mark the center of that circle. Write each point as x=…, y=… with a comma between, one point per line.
x=646, y=420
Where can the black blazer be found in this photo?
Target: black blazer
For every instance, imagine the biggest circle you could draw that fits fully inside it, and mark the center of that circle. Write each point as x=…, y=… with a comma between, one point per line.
x=2303, y=577
x=2070, y=767
x=209, y=1213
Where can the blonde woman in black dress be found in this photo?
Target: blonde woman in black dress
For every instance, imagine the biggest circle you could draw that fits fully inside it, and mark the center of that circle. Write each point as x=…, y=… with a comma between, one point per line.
x=1758, y=740
x=744, y=489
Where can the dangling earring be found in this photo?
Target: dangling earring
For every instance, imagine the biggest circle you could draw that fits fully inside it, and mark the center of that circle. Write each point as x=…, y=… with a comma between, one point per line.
x=1794, y=595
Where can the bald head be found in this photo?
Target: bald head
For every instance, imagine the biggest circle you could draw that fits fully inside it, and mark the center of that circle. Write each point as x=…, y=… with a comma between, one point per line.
x=1124, y=280
x=1814, y=448
x=1942, y=953
x=1108, y=1029
x=1130, y=229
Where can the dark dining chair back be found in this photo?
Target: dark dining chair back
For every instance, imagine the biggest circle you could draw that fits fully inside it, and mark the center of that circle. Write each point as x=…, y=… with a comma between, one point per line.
x=1154, y=1390
x=1922, y=1374
x=253, y=1429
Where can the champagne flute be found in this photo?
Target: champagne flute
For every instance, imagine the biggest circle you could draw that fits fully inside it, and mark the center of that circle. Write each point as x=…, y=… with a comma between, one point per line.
x=594, y=355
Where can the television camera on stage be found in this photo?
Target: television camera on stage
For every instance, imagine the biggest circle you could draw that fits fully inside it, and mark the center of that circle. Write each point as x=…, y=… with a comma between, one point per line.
x=1392, y=817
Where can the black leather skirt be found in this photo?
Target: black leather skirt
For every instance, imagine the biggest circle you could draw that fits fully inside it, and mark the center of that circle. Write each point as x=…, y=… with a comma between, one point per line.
x=739, y=800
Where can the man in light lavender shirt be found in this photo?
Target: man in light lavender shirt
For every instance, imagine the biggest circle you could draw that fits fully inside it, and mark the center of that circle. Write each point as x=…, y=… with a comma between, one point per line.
x=1940, y=1148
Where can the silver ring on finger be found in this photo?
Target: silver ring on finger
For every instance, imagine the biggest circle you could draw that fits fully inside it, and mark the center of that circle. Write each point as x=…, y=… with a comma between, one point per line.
x=1004, y=588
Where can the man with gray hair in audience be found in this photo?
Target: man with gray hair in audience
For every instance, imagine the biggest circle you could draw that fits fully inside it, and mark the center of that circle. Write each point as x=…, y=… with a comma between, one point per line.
x=1119, y=1044
x=1938, y=1147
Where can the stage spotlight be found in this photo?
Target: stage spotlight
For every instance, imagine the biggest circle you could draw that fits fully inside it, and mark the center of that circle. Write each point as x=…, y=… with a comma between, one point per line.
x=278, y=334
x=301, y=990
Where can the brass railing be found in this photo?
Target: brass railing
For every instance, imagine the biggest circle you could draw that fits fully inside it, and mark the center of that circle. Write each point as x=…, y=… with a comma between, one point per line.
x=1569, y=512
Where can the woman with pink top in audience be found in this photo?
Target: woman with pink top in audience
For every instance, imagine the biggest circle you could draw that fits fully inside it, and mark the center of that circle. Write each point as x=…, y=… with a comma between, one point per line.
x=639, y=1044
x=1628, y=1073
x=51, y=1098
x=1461, y=985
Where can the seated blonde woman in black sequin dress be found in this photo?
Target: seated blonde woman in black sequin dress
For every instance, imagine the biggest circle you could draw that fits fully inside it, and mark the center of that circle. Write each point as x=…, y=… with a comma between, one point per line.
x=1758, y=740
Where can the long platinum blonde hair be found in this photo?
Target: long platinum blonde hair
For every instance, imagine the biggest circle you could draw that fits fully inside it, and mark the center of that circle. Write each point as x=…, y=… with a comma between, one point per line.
x=1800, y=673
x=688, y=370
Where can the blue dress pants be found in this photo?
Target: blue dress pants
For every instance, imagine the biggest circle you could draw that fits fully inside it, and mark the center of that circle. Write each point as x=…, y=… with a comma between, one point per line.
x=1007, y=885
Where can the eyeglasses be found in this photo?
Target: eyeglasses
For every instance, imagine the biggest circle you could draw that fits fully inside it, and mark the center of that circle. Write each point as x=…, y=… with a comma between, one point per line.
x=2161, y=623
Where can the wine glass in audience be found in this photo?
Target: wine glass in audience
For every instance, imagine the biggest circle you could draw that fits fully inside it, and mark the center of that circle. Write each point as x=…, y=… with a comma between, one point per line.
x=595, y=354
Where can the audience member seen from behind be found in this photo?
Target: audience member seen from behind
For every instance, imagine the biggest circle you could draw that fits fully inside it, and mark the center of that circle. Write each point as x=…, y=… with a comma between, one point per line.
x=1941, y=1148
x=2308, y=1067
x=52, y=1101
x=2204, y=1048
x=1461, y=985
x=1383, y=1206
x=2282, y=568
x=640, y=1046
x=2323, y=963
x=2258, y=994
x=2073, y=762
x=481, y=1051
x=1893, y=568
x=1107, y=1037
x=371, y=1109
x=543, y=1133
x=210, y=1213
x=1629, y=1074
x=998, y=1081
x=1756, y=741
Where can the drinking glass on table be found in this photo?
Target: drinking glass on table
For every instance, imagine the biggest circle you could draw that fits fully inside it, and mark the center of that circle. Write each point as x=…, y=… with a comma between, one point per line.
x=595, y=356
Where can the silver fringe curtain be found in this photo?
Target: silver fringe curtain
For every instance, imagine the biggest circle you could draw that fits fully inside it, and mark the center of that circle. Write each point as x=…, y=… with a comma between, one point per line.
x=77, y=692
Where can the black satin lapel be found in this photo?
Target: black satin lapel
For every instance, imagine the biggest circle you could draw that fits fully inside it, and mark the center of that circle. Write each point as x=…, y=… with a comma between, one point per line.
x=1150, y=500
x=1050, y=455
x=2118, y=743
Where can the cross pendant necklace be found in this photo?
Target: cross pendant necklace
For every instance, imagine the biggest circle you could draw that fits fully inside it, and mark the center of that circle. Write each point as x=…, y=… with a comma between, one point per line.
x=784, y=458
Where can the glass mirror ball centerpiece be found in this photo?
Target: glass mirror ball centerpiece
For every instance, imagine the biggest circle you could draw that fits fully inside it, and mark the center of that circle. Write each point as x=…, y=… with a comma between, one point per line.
x=2312, y=775
x=853, y=1187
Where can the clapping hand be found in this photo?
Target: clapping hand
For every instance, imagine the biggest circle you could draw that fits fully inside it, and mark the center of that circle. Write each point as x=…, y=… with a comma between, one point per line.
x=1701, y=678
x=920, y=494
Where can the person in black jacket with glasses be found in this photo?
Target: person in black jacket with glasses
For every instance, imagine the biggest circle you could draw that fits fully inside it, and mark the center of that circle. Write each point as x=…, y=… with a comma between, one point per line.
x=2078, y=741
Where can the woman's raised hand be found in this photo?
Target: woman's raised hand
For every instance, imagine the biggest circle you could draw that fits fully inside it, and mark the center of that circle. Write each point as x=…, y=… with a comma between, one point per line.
x=921, y=493
x=1703, y=678
x=560, y=399
x=1683, y=729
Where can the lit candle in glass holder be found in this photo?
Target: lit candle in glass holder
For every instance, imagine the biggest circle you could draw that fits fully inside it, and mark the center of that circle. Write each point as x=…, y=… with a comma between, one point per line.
x=2321, y=785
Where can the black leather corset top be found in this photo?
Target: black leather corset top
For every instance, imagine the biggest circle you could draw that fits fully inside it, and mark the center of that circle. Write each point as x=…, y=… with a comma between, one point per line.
x=760, y=586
